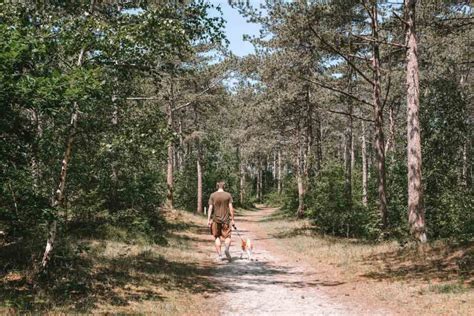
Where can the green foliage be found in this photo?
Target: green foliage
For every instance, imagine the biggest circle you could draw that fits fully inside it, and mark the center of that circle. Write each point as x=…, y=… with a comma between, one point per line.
x=328, y=208
x=398, y=199
x=444, y=133
x=218, y=163
x=56, y=56
x=274, y=199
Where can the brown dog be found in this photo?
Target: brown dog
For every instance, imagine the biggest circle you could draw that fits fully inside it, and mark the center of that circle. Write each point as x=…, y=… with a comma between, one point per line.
x=246, y=246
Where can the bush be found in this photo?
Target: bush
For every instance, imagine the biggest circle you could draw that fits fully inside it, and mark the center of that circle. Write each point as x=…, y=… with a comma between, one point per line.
x=332, y=215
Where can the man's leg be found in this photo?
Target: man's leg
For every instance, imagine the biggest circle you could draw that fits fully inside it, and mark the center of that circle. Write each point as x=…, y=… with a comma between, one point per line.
x=227, y=248
x=218, y=246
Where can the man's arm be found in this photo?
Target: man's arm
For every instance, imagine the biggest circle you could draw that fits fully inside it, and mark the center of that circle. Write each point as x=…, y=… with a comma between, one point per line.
x=209, y=215
x=231, y=209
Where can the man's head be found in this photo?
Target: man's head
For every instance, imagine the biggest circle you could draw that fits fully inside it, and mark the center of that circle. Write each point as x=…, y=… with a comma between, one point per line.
x=220, y=185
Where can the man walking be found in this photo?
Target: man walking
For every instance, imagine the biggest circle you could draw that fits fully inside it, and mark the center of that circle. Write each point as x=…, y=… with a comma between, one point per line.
x=220, y=203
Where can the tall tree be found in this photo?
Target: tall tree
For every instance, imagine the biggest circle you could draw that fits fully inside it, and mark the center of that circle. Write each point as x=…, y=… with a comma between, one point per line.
x=416, y=213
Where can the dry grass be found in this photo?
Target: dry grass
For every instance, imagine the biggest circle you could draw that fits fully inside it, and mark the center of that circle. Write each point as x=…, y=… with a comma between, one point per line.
x=116, y=277
x=435, y=280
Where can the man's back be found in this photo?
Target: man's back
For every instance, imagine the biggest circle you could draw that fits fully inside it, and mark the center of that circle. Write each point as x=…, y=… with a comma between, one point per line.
x=220, y=201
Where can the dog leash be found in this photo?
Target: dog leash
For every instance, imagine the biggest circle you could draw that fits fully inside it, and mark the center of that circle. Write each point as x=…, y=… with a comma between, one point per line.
x=237, y=231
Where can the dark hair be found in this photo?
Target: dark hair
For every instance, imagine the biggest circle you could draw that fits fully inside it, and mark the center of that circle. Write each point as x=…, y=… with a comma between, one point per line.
x=220, y=184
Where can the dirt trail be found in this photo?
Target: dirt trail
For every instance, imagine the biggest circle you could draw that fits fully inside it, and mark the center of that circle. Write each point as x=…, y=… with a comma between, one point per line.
x=273, y=284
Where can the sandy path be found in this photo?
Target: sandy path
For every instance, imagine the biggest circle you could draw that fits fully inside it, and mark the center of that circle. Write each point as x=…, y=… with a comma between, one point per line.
x=270, y=285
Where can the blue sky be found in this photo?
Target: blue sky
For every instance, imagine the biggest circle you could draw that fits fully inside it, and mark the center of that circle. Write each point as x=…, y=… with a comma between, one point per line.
x=236, y=27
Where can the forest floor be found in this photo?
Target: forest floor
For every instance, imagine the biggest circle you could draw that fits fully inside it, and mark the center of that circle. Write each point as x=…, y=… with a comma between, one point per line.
x=295, y=271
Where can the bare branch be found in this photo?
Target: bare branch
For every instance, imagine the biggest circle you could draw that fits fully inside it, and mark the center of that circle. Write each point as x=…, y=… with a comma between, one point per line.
x=142, y=98
x=348, y=114
x=400, y=18
x=212, y=85
x=360, y=57
x=373, y=40
x=350, y=95
x=334, y=49
x=387, y=91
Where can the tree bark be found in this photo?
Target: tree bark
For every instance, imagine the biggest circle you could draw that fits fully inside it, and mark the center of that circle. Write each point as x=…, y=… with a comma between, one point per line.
x=378, y=122
x=390, y=145
x=465, y=172
x=260, y=182
x=242, y=183
x=35, y=162
x=279, y=172
x=348, y=164
x=318, y=139
x=199, y=180
x=274, y=169
x=301, y=192
x=308, y=137
x=300, y=177
x=179, y=153
x=352, y=149
x=364, y=167
x=416, y=213
x=114, y=163
x=169, y=171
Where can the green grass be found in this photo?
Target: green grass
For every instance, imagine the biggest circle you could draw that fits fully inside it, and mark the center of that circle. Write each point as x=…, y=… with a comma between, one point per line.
x=448, y=288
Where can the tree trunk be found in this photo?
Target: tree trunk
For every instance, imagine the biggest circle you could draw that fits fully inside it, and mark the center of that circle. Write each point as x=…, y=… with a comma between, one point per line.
x=364, y=167
x=279, y=172
x=308, y=137
x=274, y=169
x=301, y=206
x=416, y=212
x=378, y=121
x=352, y=150
x=169, y=177
x=181, y=145
x=260, y=181
x=465, y=164
x=199, y=180
x=300, y=178
x=348, y=164
x=390, y=145
x=35, y=162
x=319, y=146
x=242, y=183
x=114, y=164
x=370, y=153
x=58, y=196
x=169, y=172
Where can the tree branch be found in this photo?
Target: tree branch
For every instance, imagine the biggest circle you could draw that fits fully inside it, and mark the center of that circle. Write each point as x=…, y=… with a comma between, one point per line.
x=142, y=98
x=212, y=85
x=338, y=91
x=348, y=114
x=334, y=49
x=388, y=90
x=197, y=96
x=373, y=40
x=400, y=18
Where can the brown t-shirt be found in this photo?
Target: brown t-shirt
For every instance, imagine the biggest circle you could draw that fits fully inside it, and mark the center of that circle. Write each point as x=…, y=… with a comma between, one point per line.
x=220, y=202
